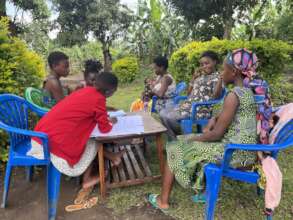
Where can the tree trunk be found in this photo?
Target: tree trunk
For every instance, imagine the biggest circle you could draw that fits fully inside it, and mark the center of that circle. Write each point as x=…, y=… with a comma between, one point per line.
x=228, y=25
x=2, y=8
x=107, y=57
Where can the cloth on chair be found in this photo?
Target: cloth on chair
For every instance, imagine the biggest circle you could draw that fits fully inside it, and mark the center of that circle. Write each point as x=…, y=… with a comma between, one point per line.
x=273, y=187
x=285, y=114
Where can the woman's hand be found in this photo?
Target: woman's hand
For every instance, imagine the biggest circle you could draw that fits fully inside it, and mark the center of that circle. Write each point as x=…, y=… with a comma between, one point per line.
x=223, y=121
x=210, y=125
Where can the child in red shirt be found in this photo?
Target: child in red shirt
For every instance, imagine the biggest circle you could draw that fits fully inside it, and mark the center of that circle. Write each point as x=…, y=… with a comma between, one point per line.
x=69, y=125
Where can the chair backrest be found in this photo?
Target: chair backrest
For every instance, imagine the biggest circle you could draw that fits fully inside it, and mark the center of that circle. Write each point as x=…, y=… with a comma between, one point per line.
x=14, y=113
x=35, y=97
x=180, y=88
x=285, y=135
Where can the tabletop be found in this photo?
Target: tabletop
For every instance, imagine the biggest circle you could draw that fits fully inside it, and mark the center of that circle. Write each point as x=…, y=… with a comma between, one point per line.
x=151, y=127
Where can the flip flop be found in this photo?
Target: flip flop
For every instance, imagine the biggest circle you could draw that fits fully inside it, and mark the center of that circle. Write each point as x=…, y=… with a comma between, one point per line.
x=82, y=195
x=199, y=198
x=87, y=204
x=152, y=199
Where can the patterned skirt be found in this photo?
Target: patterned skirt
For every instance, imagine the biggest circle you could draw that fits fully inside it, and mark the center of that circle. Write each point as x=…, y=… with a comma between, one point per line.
x=187, y=160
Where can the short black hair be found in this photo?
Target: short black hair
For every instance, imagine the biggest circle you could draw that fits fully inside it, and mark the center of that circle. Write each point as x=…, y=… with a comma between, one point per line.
x=161, y=62
x=211, y=54
x=55, y=57
x=108, y=79
x=92, y=66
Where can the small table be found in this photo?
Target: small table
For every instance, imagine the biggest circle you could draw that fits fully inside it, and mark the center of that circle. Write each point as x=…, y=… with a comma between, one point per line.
x=151, y=128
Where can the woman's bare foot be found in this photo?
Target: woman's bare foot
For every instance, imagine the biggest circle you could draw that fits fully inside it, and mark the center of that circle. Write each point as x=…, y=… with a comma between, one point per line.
x=160, y=204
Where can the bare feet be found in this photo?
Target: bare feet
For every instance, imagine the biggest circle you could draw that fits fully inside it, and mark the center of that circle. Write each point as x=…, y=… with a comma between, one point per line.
x=90, y=181
x=160, y=204
x=115, y=157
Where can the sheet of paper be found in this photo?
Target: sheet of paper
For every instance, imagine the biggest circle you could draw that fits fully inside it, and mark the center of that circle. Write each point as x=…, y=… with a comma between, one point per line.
x=125, y=125
x=117, y=113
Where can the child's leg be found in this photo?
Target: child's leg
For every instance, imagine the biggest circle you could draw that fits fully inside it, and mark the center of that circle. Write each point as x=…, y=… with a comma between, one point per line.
x=88, y=180
x=115, y=158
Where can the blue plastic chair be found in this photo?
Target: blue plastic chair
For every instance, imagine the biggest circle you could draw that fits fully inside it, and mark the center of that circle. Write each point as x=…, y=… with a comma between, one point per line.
x=214, y=173
x=179, y=89
x=14, y=119
x=186, y=124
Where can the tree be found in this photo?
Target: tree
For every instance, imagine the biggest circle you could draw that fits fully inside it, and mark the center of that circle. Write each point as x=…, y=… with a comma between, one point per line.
x=195, y=10
x=38, y=8
x=156, y=30
x=105, y=20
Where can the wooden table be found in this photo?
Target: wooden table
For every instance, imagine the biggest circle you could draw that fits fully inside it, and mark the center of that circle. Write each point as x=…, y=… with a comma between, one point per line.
x=135, y=175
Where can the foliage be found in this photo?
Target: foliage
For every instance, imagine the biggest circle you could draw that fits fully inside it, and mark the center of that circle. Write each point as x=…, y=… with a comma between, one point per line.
x=106, y=20
x=284, y=24
x=156, y=30
x=195, y=10
x=19, y=66
x=126, y=69
x=266, y=21
x=37, y=8
x=272, y=54
x=36, y=36
x=282, y=90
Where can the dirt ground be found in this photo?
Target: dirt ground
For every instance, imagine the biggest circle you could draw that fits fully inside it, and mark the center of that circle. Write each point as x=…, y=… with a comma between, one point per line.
x=27, y=201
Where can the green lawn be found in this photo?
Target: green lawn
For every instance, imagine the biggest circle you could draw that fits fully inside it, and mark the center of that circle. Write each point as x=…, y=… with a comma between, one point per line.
x=236, y=200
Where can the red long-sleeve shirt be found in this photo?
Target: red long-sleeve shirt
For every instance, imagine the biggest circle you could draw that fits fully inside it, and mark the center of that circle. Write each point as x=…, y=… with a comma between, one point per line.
x=70, y=123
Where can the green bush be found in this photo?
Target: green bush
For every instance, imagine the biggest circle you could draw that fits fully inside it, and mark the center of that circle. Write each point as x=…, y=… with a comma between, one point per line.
x=19, y=69
x=273, y=55
x=126, y=69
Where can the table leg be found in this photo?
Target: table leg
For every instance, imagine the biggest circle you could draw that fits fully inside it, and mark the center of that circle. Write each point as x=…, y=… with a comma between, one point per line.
x=102, y=170
x=160, y=148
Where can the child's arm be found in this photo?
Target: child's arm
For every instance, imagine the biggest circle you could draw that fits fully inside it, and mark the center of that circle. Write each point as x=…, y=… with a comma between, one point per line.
x=101, y=116
x=55, y=88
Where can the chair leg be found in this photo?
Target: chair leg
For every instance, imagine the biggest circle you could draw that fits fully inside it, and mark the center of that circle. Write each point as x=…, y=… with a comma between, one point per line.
x=6, y=185
x=213, y=183
x=53, y=187
x=29, y=173
x=259, y=191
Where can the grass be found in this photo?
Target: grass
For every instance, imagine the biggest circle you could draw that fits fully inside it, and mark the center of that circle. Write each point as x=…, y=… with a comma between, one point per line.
x=236, y=200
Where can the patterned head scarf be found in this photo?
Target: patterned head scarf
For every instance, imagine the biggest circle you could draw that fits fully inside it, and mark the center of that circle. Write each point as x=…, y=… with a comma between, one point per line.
x=243, y=60
x=246, y=61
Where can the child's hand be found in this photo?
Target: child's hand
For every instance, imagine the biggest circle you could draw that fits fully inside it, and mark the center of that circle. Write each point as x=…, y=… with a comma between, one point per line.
x=113, y=120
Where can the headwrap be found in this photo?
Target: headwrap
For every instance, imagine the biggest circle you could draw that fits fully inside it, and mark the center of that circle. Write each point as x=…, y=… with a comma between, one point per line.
x=246, y=61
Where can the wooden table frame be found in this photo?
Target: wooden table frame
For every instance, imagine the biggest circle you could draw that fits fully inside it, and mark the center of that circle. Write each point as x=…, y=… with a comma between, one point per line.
x=100, y=141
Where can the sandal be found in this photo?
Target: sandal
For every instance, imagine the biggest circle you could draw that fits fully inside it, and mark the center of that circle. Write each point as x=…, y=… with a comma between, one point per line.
x=199, y=198
x=87, y=204
x=83, y=195
x=152, y=199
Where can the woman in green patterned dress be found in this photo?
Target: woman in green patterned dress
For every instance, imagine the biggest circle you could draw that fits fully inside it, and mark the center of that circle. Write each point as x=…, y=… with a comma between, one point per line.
x=236, y=123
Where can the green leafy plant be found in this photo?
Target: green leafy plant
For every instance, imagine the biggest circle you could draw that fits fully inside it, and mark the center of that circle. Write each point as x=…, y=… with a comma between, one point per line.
x=19, y=69
x=126, y=69
x=273, y=55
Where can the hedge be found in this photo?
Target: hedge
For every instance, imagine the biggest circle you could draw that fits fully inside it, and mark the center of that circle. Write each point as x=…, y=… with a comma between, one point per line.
x=19, y=69
x=273, y=55
x=126, y=69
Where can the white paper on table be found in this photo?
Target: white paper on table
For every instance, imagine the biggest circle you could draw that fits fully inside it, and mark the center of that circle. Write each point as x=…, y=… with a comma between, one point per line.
x=124, y=126
x=116, y=113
